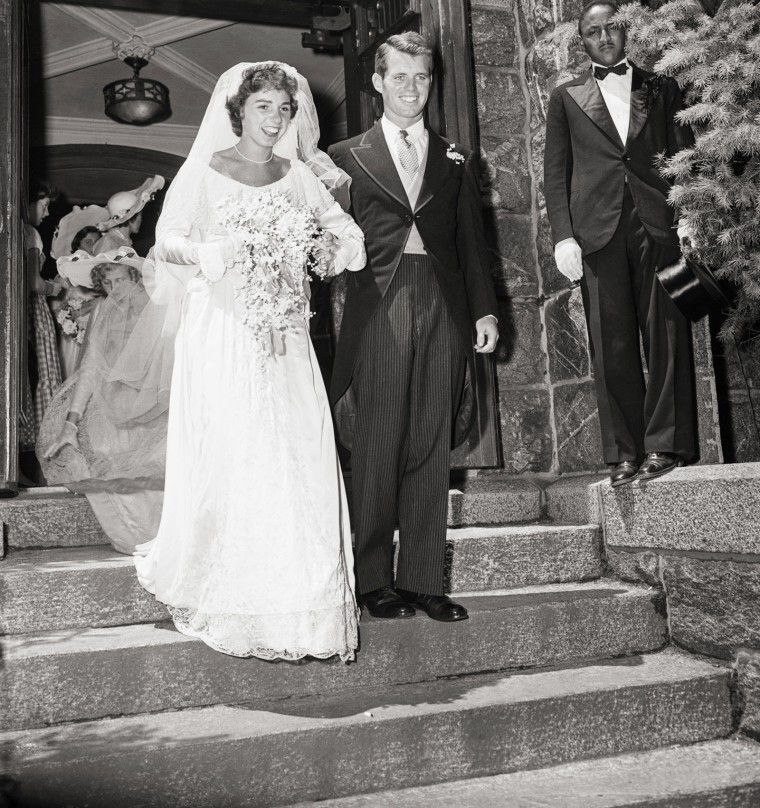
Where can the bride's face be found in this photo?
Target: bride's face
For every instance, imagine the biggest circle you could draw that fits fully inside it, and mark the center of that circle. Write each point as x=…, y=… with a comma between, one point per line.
x=266, y=116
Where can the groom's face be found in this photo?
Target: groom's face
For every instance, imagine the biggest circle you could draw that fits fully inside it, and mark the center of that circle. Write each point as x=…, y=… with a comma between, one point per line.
x=405, y=87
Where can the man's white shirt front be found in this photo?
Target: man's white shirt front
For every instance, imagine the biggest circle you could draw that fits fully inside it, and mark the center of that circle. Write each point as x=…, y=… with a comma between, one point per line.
x=418, y=136
x=616, y=92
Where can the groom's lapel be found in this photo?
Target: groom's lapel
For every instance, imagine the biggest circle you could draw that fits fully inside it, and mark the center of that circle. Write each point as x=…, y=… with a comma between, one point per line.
x=437, y=169
x=374, y=158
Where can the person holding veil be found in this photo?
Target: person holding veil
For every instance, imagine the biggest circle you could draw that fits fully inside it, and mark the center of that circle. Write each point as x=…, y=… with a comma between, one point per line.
x=253, y=554
x=104, y=432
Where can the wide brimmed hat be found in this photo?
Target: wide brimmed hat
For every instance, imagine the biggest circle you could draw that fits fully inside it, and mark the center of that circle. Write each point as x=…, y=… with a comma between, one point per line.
x=72, y=223
x=123, y=205
x=77, y=267
x=693, y=288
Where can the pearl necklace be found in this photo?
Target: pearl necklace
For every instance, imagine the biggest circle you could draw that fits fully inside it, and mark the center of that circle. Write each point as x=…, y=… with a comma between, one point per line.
x=258, y=162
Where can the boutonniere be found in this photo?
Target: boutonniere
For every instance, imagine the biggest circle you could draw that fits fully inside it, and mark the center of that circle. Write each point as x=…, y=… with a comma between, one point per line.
x=651, y=89
x=453, y=154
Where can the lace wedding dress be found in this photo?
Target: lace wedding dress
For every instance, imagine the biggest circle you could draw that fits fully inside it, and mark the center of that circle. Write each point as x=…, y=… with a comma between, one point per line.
x=253, y=554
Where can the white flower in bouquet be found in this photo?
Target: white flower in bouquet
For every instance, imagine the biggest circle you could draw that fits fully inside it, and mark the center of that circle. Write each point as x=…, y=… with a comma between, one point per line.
x=277, y=235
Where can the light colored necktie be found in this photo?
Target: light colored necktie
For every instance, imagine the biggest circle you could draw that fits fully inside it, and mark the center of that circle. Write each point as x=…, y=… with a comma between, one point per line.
x=407, y=154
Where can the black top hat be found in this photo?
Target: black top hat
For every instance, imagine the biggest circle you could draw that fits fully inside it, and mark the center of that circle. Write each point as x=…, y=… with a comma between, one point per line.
x=692, y=287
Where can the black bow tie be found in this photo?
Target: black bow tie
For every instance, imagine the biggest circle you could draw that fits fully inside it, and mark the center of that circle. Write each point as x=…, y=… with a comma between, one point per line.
x=601, y=73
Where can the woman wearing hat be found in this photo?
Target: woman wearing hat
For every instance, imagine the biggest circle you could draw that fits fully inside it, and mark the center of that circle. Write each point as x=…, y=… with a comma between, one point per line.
x=125, y=215
x=77, y=230
x=104, y=434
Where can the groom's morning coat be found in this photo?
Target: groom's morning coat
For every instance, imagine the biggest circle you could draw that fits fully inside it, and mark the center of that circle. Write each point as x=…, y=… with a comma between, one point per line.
x=448, y=215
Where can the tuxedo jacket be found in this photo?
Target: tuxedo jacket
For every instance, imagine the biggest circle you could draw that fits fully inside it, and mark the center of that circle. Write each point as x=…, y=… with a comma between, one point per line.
x=448, y=216
x=586, y=164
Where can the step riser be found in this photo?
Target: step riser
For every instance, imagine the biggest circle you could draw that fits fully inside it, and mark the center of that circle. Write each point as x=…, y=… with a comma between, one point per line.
x=46, y=597
x=331, y=761
x=171, y=672
x=67, y=521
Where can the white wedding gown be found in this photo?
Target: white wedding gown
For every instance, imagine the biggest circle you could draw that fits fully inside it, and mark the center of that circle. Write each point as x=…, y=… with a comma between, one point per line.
x=253, y=554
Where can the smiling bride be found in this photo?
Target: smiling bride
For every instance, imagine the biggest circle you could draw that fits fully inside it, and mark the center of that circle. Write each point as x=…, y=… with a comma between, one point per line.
x=253, y=554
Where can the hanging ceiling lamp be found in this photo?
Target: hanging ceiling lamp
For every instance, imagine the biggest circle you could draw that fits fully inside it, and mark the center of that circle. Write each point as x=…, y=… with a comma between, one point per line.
x=136, y=101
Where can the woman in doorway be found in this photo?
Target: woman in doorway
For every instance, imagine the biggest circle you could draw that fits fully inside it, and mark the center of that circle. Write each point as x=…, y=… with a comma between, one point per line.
x=125, y=215
x=44, y=365
x=253, y=555
x=104, y=434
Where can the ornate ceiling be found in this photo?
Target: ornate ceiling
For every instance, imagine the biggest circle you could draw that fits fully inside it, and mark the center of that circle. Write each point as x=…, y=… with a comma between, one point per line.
x=76, y=59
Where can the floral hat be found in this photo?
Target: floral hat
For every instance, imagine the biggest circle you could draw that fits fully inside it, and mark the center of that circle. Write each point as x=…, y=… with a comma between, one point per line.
x=72, y=223
x=123, y=205
x=77, y=267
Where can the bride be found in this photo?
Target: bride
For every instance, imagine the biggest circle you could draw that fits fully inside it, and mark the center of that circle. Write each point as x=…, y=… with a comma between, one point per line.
x=253, y=554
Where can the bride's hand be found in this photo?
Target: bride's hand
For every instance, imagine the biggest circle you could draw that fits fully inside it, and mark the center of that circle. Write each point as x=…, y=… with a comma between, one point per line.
x=325, y=247
x=66, y=437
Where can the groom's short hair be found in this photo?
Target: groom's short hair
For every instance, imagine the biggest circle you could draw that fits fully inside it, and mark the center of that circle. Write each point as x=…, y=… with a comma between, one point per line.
x=409, y=42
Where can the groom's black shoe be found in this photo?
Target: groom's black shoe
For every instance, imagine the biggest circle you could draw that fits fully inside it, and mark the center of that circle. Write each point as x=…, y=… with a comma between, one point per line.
x=439, y=607
x=386, y=602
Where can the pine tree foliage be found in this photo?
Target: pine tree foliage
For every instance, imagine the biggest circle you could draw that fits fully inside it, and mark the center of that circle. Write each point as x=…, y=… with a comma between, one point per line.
x=716, y=61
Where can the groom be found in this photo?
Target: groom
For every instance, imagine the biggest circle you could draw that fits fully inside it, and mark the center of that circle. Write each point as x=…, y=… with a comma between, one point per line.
x=405, y=351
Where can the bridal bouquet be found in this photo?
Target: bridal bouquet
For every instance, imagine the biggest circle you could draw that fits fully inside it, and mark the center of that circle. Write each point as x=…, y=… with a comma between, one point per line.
x=277, y=236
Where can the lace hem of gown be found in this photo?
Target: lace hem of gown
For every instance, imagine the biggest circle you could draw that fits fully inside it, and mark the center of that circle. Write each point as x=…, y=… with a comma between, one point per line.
x=239, y=635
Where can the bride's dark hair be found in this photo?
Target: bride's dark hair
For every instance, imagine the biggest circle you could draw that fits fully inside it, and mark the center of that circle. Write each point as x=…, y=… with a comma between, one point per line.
x=255, y=79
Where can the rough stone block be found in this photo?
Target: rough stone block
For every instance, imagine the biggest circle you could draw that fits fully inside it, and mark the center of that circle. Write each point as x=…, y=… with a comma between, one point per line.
x=709, y=508
x=713, y=605
x=739, y=422
x=49, y=519
x=708, y=423
x=506, y=179
x=493, y=499
x=526, y=433
x=748, y=685
x=557, y=57
x=579, y=443
x=635, y=567
x=500, y=558
x=567, y=338
x=278, y=752
x=501, y=102
x=510, y=236
x=575, y=500
x=90, y=673
x=714, y=774
x=520, y=355
x=493, y=37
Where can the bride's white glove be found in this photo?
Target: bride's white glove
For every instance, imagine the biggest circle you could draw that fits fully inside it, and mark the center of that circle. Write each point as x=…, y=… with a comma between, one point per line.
x=569, y=259
x=216, y=257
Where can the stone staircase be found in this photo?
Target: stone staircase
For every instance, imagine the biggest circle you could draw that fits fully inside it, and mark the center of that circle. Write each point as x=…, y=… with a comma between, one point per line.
x=561, y=690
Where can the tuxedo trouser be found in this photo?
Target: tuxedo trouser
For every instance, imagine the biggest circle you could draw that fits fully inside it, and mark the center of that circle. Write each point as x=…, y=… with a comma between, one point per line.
x=622, y=297
x=407, y=381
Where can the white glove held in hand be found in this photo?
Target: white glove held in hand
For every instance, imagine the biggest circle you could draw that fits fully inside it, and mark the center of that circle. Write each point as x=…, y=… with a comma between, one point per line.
x=569, y=259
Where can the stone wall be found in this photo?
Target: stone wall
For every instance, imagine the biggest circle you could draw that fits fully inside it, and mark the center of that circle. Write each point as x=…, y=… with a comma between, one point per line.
x=547, y=400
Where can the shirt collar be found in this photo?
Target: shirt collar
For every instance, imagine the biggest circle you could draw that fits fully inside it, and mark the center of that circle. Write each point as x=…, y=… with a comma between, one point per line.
x=623, y=61
x=414, y=132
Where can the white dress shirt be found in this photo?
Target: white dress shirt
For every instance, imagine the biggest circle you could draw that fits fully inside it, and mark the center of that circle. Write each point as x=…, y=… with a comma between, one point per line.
x=616, y=92
x=419, y=138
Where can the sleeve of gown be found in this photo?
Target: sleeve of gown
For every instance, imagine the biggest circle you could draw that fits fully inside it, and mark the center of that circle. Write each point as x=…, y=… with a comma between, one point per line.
x=89, y=372
x=331, y=217
x=173, y=242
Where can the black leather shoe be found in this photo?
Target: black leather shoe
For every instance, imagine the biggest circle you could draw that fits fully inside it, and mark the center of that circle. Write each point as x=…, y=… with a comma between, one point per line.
x=439, y=607
x=656, y=464
x=623, y=473
x=386, y=602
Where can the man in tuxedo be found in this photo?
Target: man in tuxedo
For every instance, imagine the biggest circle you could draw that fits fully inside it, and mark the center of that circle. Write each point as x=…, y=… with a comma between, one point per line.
x=612, y=228
x=405, y=350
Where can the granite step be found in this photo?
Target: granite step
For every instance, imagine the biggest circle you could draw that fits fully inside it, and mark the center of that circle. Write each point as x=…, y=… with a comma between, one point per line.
x=696, y=508
x=713, y=774
x=321, y=747
x=53, y=517
x=75, y=587
x=88, y=673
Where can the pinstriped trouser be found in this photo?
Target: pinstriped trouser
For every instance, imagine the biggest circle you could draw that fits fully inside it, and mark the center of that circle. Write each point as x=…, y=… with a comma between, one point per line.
x=407, y=380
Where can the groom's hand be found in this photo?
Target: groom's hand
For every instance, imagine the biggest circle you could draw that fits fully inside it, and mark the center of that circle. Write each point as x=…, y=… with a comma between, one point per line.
x=487, y=334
